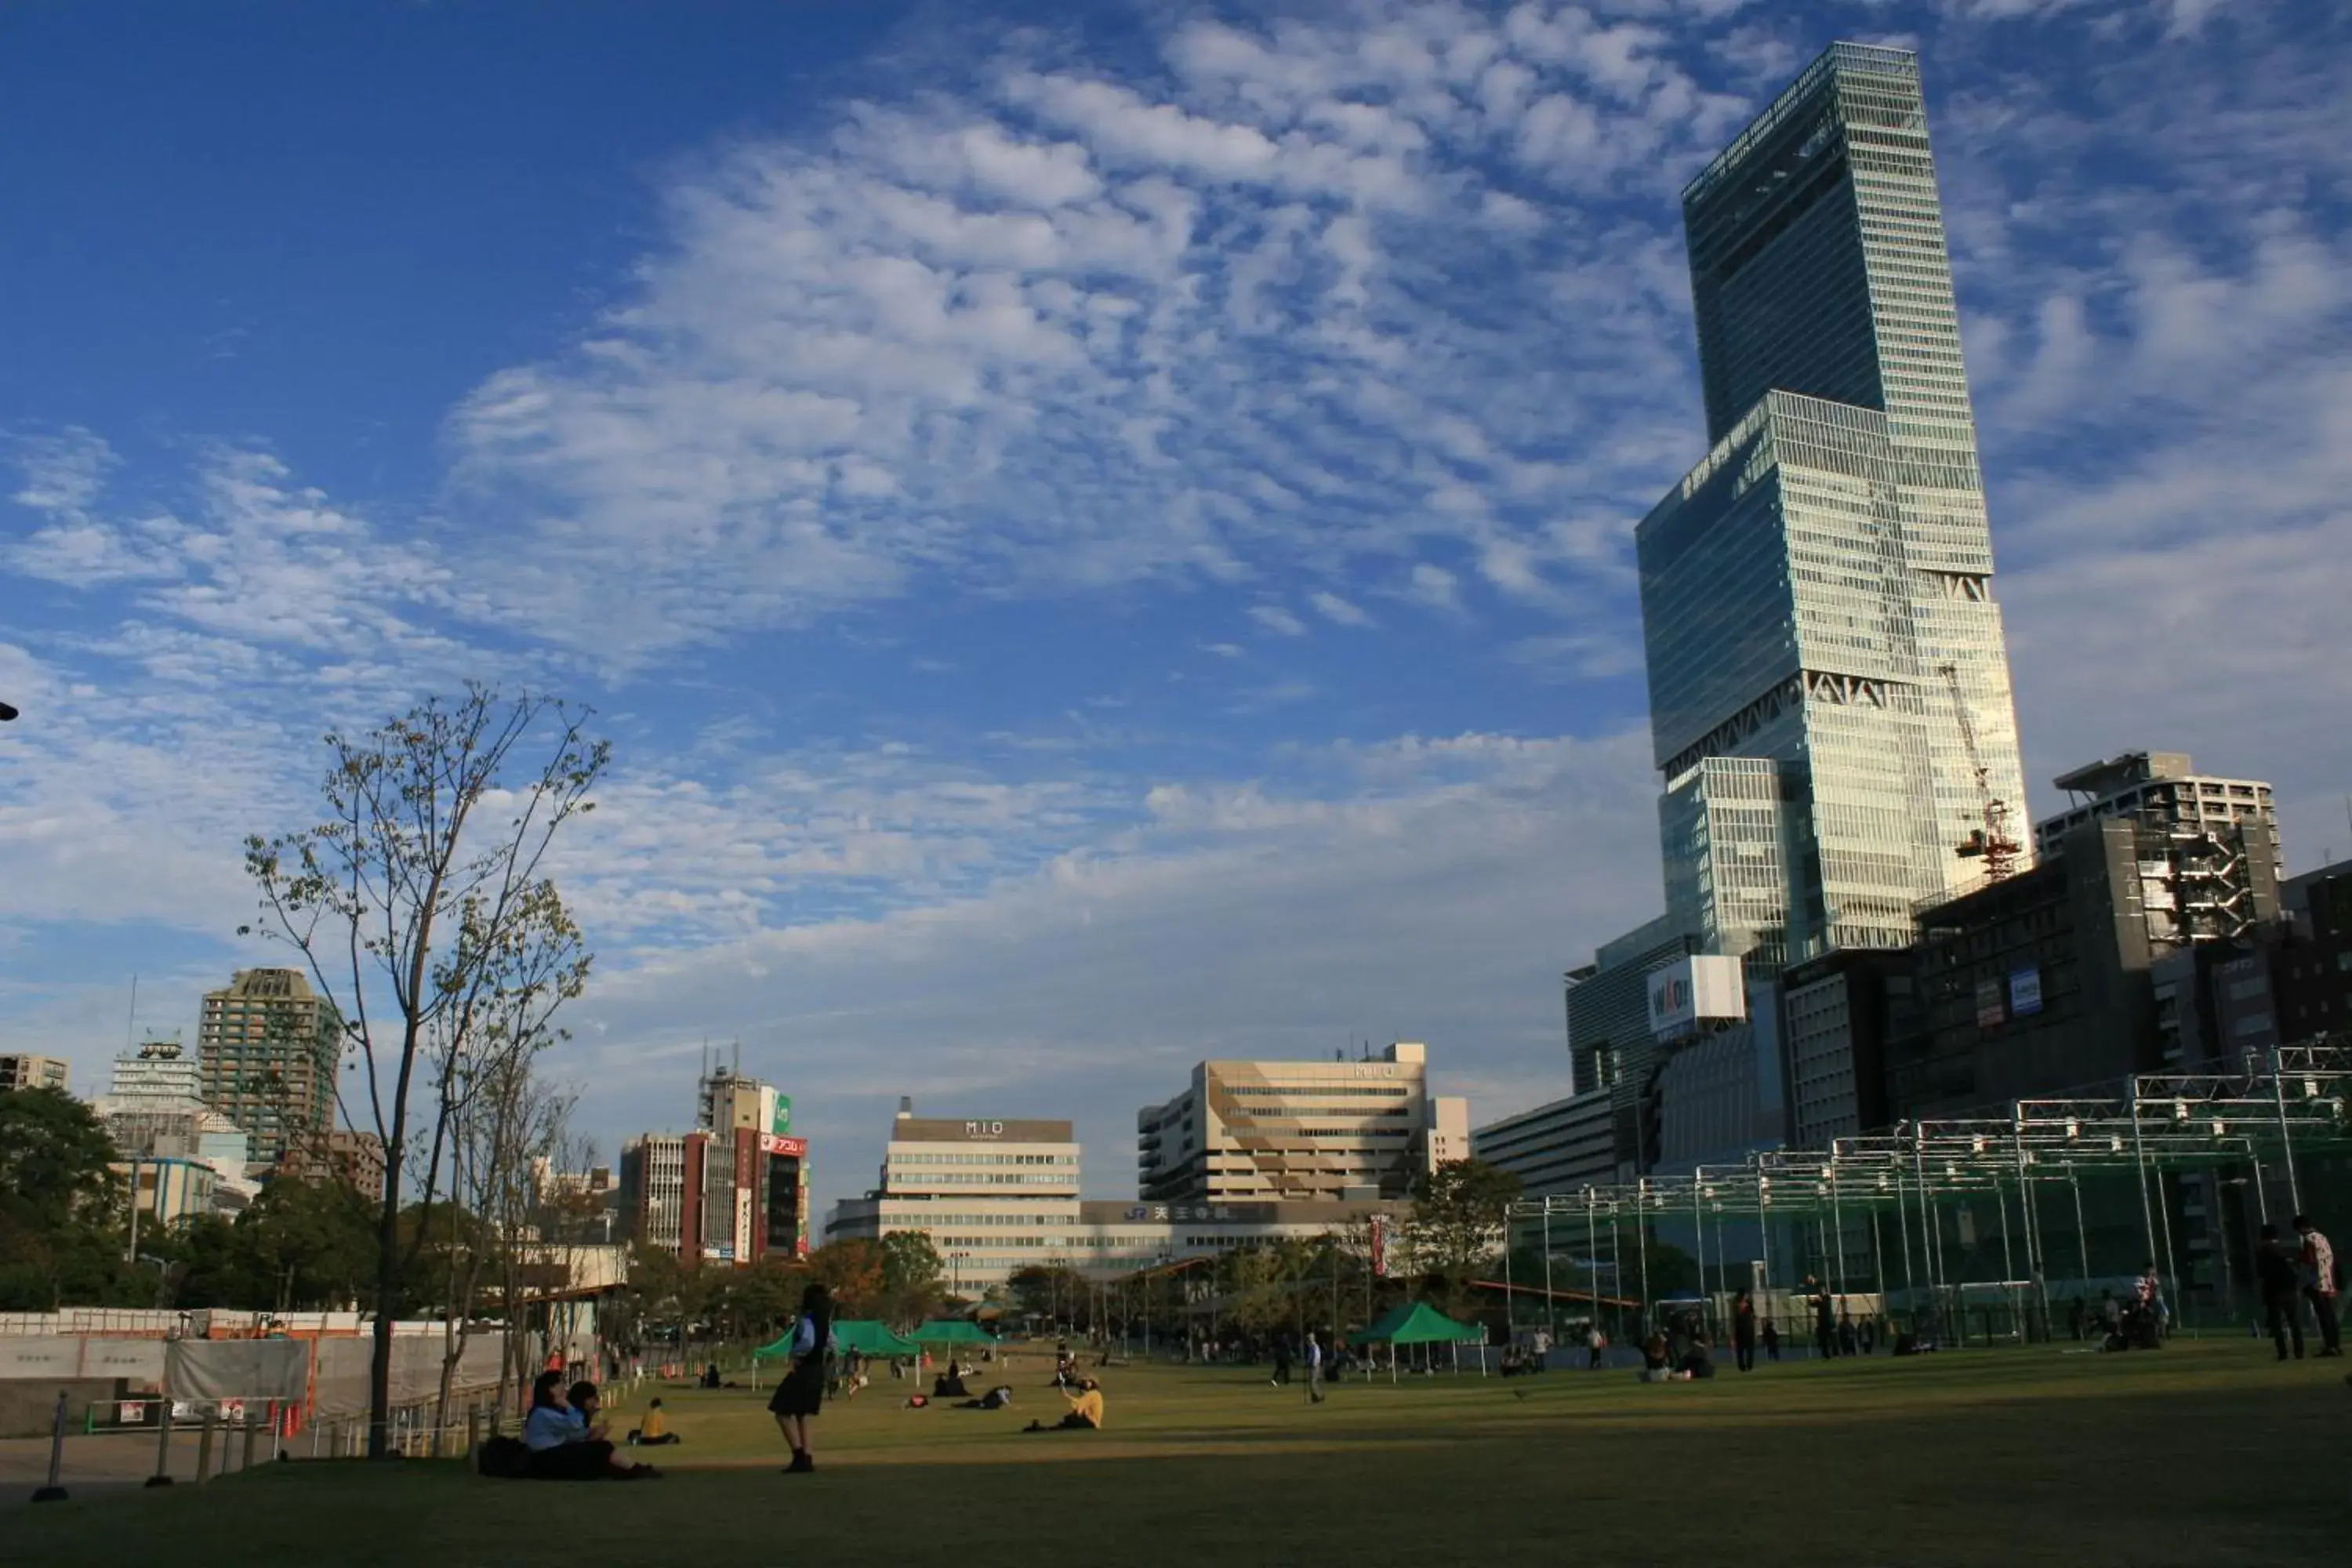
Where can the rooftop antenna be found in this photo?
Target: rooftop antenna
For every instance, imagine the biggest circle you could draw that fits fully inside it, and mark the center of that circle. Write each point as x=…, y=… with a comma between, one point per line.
x=130, y=1024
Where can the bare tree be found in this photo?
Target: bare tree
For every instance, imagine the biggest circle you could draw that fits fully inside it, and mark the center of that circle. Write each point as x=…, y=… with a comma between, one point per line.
x=509, y=1128
x=421, y=911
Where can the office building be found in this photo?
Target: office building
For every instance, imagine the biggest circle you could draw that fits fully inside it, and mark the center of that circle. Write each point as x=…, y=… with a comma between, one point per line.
x=2287, y=982
x=22, y=1071
x=653, y=1189
x=1828, y=675
x=170, y=1190
x=158, y=1070
x=750, y=1168
x=2046, y=983
x=733, y=1191
x=270, y=1049
x=1835, y=1013
x=1830, y=702
x=336, y=1154
x=984, y=1243
x=996, y=1196
x=1559, y=1147
x=1326, y=1132
x=2162, y=787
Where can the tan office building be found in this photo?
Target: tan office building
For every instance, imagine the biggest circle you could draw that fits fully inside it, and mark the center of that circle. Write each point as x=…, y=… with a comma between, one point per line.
x=1336, y=1132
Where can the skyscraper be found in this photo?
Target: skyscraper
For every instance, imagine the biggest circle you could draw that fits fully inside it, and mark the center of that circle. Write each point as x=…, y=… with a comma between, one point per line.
x=269, y=1049
x=1828, y=684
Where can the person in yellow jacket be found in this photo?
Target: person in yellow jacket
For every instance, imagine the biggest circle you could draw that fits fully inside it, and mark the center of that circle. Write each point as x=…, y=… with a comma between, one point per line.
x=1086, y=1410
x=652, y=1432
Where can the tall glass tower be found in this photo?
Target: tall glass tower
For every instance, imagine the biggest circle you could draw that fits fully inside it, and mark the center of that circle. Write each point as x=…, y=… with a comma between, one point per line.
x=1828, y=684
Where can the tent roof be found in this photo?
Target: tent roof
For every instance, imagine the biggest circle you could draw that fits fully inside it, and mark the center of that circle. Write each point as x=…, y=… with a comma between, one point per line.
x=868, y=1335
x=1418, y=1323
x=952, y=1331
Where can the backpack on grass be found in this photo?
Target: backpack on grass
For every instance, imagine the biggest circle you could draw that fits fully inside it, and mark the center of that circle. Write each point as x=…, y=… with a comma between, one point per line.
x=503, y=1458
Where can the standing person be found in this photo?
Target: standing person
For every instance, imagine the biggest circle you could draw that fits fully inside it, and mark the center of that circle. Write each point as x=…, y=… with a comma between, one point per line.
x=1771, y=1340
x=1281, y=1378
x=1849, y=1339
x=1824, y=1316
x=2275, y=1272
x=2319, y=1284
x=1314, y=1369
x=1594, y=1343
x=801, y=1395
x=1743, y=1331
x=2074, y=1317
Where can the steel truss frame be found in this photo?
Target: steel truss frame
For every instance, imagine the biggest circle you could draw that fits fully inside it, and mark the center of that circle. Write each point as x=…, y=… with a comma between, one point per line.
x=2289, y=1100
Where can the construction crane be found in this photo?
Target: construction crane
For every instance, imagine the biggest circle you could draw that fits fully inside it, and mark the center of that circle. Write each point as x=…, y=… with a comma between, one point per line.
x=1991, y=843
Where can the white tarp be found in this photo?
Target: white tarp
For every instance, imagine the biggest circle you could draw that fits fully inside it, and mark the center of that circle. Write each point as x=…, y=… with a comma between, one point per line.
x=44, y=1357
x=343, y=1383
x=238, y=1369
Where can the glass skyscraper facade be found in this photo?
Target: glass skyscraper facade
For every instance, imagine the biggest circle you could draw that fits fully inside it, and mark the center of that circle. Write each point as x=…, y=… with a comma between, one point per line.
x=1826, y=662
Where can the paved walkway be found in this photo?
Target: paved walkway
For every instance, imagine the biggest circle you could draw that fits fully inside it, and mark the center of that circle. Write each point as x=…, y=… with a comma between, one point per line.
x=99, y=1463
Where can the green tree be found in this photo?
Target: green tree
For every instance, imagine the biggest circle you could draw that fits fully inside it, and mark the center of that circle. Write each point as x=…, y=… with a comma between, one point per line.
x=851, y=1269
x=911, y=1270
x=312, y=1242
x=61, y=1208
x=1459, y=1213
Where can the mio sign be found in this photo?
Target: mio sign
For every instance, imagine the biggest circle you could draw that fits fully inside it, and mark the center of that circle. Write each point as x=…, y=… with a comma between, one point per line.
x=984, y=1129
x=1691, y=991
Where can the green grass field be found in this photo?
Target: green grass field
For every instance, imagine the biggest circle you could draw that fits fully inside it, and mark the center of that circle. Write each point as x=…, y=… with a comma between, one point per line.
x=2202, y=1454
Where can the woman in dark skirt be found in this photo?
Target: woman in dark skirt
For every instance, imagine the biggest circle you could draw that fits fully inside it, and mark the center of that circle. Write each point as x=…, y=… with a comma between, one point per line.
x=801, y=1392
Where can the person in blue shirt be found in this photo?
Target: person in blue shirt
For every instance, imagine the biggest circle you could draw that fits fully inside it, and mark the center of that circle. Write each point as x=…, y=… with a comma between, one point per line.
x=563, y=1445
x=801, y=1395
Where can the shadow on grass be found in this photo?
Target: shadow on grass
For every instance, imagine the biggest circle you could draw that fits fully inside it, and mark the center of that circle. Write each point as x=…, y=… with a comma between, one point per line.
x=2130, y=1469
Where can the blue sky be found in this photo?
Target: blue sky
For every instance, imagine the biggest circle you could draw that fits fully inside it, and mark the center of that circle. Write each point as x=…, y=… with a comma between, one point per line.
x=1101, y=535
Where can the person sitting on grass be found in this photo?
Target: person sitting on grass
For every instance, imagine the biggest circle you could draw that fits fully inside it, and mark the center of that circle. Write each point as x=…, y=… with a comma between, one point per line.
x=950, y=1385
x=563, y=1444
x=1655, y=1363
x=1086, y=1410
x=654, y=1431
x=1699, y=1360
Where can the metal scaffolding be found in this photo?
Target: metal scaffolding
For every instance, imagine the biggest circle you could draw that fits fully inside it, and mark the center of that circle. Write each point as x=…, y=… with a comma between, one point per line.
x=2288, y=1103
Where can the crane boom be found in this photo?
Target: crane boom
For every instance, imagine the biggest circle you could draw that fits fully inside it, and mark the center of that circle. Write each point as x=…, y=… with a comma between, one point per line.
x=1992, y=842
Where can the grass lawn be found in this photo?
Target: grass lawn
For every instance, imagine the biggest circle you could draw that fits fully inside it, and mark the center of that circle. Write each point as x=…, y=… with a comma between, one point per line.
x=2202, y=1454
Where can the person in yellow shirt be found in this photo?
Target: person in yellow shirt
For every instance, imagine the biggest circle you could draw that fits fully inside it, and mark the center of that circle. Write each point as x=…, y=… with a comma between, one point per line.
x=1086, y=1410
x=654, y=1431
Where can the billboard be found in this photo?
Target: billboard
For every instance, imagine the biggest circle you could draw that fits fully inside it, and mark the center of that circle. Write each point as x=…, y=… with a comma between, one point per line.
x=1989, y=1011
x=770, y=1143
x=1703, y=988
x=2024, y=992
x=775, y=1113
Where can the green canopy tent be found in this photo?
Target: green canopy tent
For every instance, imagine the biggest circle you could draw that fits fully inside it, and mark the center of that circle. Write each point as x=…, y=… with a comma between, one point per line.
x=867, y=1336
x=1419, y=1324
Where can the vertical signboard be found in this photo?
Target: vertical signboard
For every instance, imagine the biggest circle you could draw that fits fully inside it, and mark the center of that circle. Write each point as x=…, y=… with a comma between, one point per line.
x=1989, y=1011
x=2024, y=992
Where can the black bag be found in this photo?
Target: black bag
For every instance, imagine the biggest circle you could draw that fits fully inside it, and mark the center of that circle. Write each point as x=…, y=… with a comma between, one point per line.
x=505, y=1459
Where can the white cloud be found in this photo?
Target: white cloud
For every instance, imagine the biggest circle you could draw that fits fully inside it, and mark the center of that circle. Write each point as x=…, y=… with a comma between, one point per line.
x=1410, y=889
x=1277, y=620
x=1039, y=329
x=1339, y=611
